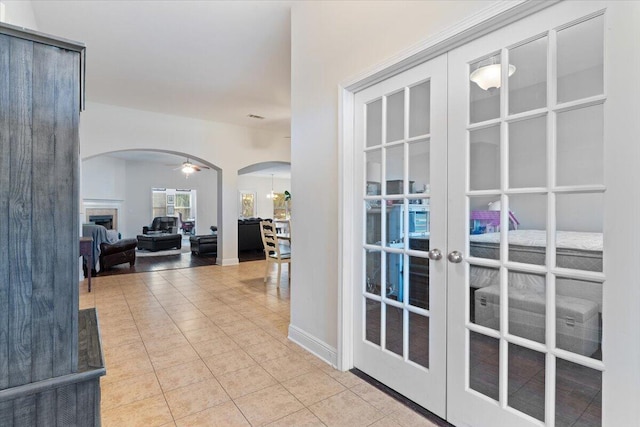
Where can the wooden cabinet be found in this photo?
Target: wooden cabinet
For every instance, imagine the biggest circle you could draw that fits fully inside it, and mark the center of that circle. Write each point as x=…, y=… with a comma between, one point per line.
x=40, y=340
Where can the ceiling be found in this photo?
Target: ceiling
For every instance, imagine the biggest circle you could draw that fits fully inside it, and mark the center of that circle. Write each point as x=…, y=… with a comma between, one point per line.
x=209, y=60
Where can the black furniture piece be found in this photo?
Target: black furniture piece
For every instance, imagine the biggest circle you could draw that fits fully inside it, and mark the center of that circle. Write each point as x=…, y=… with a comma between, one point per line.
x=162, y=224
x=118, y=253
x=159, y=242
x=204, y=244
x=249, y=237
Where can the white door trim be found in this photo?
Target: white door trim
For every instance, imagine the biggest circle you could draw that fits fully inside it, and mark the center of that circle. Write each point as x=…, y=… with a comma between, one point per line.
x=489, y=19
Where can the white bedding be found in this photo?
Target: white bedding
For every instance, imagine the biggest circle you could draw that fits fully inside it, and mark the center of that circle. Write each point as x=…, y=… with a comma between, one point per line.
x=564, y=239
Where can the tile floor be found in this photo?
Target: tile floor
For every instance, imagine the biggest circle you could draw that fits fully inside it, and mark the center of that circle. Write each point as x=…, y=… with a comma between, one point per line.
x=208, y=346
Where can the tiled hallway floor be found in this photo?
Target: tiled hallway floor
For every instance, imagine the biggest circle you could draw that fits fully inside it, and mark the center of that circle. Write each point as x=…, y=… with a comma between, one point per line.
x=208, y=346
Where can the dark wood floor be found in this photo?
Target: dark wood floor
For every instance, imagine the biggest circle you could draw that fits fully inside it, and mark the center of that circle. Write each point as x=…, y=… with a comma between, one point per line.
x=173, y=262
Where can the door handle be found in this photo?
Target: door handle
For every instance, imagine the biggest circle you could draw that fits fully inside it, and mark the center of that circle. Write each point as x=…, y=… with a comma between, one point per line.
x=455, y=257
x=435, y=254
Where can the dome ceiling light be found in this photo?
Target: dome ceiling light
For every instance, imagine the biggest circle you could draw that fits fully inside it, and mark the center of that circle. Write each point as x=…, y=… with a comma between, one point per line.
x=489, y=76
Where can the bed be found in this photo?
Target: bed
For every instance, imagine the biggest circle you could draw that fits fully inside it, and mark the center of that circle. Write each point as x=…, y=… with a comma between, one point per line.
x=576, y=250
x=578, y=302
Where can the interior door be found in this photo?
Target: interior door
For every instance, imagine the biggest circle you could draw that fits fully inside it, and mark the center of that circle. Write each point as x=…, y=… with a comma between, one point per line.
x=400, y=293
x=526, y=220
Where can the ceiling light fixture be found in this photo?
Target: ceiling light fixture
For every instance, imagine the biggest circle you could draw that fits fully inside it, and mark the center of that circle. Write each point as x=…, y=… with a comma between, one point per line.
x=490, y=76
x=188, y=168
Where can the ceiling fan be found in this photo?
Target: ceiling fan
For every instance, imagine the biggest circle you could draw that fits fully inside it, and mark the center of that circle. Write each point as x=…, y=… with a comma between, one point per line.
x=188, y=167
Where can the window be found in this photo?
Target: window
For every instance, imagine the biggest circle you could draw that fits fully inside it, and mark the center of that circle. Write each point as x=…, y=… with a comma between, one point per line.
x=174, y=202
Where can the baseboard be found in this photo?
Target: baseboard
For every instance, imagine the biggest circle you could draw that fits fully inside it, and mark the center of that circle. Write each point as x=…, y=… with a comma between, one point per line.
x=313, y=345
x=227, y=261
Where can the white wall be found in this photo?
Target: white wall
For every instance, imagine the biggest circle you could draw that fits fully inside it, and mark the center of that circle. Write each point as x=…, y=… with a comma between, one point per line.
x=261, y=185
x=20, y=13
x=106, y=128
x=330, y=43
x=104, y=178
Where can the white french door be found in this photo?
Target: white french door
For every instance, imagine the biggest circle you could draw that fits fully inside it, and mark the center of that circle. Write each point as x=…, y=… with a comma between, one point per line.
x=400, y=322
x=508, y=307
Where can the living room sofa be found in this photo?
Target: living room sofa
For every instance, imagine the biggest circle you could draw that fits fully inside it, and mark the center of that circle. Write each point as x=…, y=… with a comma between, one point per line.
x=249, y=237
x=120, y=252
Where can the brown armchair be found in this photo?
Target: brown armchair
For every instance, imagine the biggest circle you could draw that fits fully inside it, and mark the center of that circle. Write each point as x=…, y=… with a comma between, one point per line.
x=162, y=224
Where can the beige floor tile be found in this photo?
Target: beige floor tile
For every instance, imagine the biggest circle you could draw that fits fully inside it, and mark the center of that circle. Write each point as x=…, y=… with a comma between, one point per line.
x=313, y=387
x=302, y=418
x=345, y=409
x=268, y=350
x=224, y=415
x=346, y=378
x=250, y=337
x=172, y=357
x=245, y=381
x=386, y=422
x=182, y=375
x=239, y=327
x=160, y=345
x=122, y=353
x=406, y=417
x=224, y=363
x=195, y=398
x=143, y=413
x=215, y=346
x=378, y=399
x=193, y=324
x=267, y=405
x=205, y=334
x=129, y=390
x=287, y=367
x=127, y=369
x=158, y=331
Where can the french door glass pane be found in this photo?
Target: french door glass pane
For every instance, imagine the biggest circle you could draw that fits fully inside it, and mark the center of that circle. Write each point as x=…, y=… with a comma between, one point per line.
x=374, y=123
x=484, y=362
x=484, y=152
x=528, y=153
x=528, y=84
x=485, y=101
x=372, y=321
x=419, y=282
x=580, y=149
x=395, y=223
x=394, y=285
x=526, y=381
x=395, y=169
x=579, y=238
x=419, y=339
x=581, y=60
x=373, y=266
x=578, y=395
x=395, y=325
x=419, y=158
x=528, y=244
x=420, y=109
x=484, y=296
x=527, y=305
x=373, y=166
x=579, y=316
x=374, y=223
x=484, y=226
x=395, y=117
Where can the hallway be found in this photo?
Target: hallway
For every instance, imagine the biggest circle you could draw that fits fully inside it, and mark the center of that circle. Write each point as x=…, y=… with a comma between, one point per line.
x=208, y=346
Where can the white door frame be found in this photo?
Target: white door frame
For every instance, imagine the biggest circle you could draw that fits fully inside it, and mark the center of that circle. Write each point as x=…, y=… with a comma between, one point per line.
x=496, y=16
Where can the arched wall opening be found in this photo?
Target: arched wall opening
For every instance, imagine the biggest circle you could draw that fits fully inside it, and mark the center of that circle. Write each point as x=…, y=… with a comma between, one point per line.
x=120, y=183
x=261, y=180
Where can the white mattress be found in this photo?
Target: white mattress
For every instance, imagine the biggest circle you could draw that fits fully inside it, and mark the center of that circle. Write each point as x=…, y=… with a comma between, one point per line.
x=564, y=239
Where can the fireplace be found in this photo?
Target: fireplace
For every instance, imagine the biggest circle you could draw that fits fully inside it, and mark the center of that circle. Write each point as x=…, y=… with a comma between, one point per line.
x=105, y=220
x=102, y=215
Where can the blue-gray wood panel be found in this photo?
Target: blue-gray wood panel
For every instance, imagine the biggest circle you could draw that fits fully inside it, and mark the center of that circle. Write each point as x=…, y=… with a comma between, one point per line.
x=20, y=211
x=5, y=161
x=39, y=143
x=66, y=213
x=44, y=228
